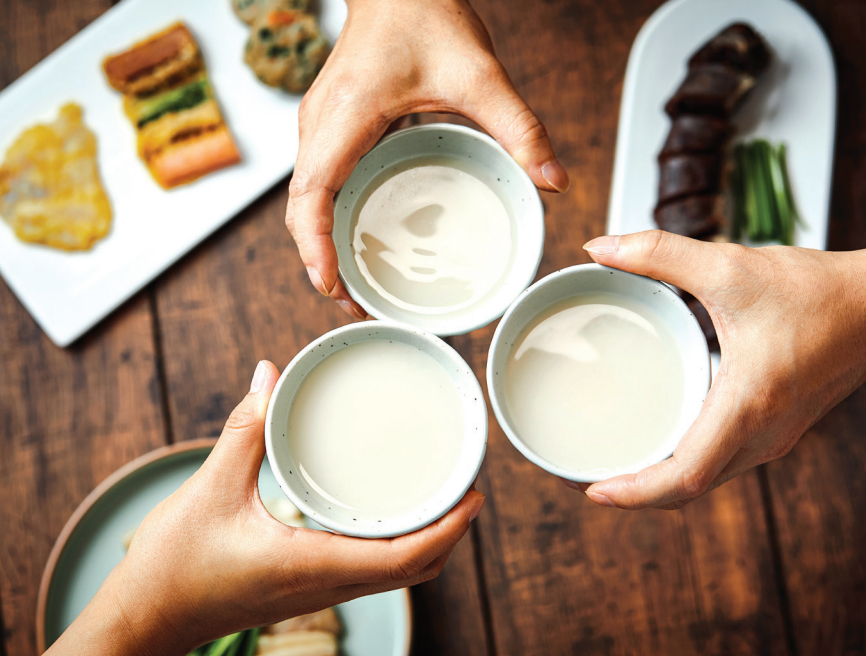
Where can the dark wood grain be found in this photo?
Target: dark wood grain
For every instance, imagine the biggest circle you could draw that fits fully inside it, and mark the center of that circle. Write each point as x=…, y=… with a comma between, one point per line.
x=69, y=417
x=565, y=576
x=244, y=296
x=818, y=491
x=770, y=550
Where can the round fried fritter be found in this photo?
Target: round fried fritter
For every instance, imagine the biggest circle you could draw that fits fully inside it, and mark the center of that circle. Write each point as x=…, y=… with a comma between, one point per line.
x=250, y=10
x=286, y=49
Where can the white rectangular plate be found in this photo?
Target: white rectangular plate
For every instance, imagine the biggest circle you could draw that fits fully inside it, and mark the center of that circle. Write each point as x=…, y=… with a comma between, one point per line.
x=67, y=293
x=794, y=102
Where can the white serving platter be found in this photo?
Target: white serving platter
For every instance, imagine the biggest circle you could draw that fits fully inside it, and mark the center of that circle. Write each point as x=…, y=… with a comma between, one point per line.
x=68, y=293
x=795, y=103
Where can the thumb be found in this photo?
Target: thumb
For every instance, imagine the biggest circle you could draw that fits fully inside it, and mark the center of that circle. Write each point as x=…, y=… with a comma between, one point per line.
x=241, y=447
x=661, y=255
x=499, y=109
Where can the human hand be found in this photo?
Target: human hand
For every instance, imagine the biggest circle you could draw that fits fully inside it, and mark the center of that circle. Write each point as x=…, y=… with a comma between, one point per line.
x=791, y=324
x=393, y=58
x=210, y=560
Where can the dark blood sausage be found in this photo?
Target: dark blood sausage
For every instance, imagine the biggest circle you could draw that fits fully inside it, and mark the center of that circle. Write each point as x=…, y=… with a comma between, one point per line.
x=697, y=134
x=737, y=46
x=688, y=175
x=720, y=75
x=694, y=216
x=710, y=89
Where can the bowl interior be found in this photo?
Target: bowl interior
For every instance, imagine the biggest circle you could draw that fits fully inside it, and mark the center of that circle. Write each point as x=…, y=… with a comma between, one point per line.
x=594, y=278
x=316, y=506
x=506, y=178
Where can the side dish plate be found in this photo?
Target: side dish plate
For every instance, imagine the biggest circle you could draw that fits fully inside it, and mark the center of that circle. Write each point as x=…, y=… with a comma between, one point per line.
x=90, y=546
x=68, y=293
x=794, y=102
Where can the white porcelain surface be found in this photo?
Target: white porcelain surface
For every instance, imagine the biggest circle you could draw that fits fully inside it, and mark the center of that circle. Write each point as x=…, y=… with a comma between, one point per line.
x=316, y=507
x=794, y=102
x=595, y=278
x=515, y=189
x=67, y=293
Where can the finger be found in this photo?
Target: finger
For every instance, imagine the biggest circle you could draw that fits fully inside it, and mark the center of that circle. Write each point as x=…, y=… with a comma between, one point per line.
x=743, y=461
x=325, y=160
x=701, y=456
x=241, y=447
x=338, y=560
x=346, y=303
x=498, y=108
x=664, y=256
x=432, y=571
x=581, y=487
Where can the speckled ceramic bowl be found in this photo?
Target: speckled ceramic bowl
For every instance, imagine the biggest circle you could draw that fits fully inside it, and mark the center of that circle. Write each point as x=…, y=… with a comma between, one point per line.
x=592, y=279
x=508, y=181
x=308, y=499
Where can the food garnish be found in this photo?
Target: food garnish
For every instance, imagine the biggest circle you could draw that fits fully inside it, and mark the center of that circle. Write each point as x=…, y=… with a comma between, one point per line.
x=764, y=207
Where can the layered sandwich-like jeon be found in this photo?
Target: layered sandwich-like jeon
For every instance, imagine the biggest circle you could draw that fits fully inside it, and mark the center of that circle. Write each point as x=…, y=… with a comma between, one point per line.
x=720, y=75
x=169, y=99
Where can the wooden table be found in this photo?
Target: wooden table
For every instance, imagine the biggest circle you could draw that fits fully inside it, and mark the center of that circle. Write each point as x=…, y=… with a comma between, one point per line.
x=774, y=562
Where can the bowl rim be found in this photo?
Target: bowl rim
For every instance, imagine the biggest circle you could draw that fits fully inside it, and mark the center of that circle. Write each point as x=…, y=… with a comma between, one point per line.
x=407, y=526
x=496, y=345
x=454, y=326
x=105, y=486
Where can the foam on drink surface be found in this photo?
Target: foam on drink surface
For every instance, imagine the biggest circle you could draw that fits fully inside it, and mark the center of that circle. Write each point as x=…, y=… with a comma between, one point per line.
x=377, y=428
x=432, y=236
x=595, y=383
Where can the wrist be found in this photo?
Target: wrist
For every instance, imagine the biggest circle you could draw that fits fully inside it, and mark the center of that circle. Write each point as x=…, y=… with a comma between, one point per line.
x=124, y=618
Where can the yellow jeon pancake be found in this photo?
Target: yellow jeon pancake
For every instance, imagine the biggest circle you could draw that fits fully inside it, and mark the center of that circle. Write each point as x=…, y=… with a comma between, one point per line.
x=50, y=191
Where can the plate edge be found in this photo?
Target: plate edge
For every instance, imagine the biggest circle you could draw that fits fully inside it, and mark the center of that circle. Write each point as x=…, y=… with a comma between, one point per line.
x=84, y=507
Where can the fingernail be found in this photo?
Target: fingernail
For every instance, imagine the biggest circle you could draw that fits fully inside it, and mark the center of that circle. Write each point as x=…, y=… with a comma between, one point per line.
x=351, y=310
x=258, y=379
x=555, y=175
x=571, y=484
x=600, y=499
x=476, y=509
x=602, y=245
x=316, y=279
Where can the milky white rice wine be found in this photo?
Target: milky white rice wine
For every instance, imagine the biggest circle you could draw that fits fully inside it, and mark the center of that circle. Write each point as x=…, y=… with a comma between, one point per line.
x=377, y=428
x=595, y=384
x=432, y=236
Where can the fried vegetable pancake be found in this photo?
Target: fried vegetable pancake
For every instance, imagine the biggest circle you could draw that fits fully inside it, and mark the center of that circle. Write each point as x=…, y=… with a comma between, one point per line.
x=50, y=192
x=286, y=49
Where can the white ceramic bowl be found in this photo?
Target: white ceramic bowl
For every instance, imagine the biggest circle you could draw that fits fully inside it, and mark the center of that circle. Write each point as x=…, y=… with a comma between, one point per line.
x=594, y=278
x=310, y=501
x=514, y=187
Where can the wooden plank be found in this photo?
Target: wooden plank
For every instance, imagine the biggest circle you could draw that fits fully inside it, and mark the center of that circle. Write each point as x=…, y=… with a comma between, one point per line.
x=563, y=575
x=69, y=417
x=818, y=491
x=244, y=296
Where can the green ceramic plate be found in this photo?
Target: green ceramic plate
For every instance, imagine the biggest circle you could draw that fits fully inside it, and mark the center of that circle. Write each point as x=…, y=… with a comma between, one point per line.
x=91, y=545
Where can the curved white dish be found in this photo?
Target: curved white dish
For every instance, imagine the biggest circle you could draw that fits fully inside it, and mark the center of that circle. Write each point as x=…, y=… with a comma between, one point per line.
x=378, y=625
x=68, y=293
x=794, y=102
